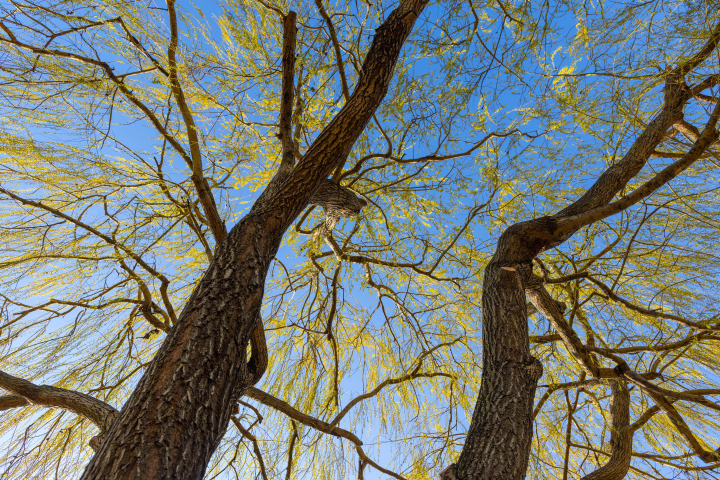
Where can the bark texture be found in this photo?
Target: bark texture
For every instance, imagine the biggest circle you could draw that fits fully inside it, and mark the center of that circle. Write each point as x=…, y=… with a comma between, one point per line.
x=621, y=437
x=180, y=409
x=499, y=437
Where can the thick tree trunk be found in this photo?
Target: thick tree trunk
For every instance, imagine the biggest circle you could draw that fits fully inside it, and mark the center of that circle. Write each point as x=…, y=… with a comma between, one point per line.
x=180, y=409
x=500, y=433
x=498, y=442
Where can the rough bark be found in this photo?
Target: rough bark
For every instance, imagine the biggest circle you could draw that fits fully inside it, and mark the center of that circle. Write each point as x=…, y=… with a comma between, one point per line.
x=498, y=441
x=172, y=423
x=337, y=201
x=499, y=437
x=621, y=437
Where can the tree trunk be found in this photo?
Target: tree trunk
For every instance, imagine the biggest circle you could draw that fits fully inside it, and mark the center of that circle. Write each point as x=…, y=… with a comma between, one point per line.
x=498, y=442
x=500, y=433
x=172, y=423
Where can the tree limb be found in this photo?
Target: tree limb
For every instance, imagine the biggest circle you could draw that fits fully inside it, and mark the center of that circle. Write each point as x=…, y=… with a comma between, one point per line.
x=286, y=95
x=620, y=438
x=27, y=393
x=281, y=406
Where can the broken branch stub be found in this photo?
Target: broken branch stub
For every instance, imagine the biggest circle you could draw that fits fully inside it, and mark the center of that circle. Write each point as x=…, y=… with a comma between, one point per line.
x=337, y=201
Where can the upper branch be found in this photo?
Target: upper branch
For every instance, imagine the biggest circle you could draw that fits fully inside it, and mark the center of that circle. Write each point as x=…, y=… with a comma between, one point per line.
x=336, y=140
x=569, y=224
x=201, y=185
x=288, y=87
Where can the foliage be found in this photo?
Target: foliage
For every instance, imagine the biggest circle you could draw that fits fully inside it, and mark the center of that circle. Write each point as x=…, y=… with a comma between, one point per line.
x=499, y=112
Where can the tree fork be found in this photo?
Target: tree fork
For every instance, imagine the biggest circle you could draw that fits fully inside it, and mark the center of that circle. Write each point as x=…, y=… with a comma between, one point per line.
x=500, y=433
x=177, y=415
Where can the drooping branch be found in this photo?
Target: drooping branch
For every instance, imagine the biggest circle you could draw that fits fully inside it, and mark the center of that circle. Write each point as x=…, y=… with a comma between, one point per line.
x=294, y=437
x=256, y=448
x=298, y=416
x=194, y=158
x=652, y=411
x=682, y=427
x=112, y=241
x=645, y=311
x=27, y=393
x=376, y=390
x=620, y=437
x=336, y=46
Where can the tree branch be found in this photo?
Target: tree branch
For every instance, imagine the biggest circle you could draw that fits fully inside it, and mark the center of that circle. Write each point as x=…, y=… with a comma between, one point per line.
x=620, y=438
x=27, y=393
x=286, y=95
x=281, y=406
x=570, y=224
x=217, y=226
x=544, y=303
x=245, y=433
x=650, y=313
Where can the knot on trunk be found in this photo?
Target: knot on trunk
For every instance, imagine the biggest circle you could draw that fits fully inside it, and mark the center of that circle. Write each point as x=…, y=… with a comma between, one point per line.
x=535, y=368
x=337, y=201
x=97, y=439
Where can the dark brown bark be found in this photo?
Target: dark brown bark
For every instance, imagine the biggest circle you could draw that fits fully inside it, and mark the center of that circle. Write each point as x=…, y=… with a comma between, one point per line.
x=620, y=438
x=498, y=442
x=287, y=93
x=499, y=437
x=180, y=409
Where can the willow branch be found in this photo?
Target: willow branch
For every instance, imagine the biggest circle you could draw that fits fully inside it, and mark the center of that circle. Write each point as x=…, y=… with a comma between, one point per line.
x=544, y=303
x=336, y=45
x=378, y=389
x=569, y=224
x=245, y=433
x=286, y=96
x=621, y=437
x=645, y=311
x=298, y=416
x=27, y=393
x=217, y=226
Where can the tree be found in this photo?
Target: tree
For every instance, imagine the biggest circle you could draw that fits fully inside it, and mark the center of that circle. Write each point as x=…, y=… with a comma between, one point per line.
x=501, y=428
x=109, y=231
